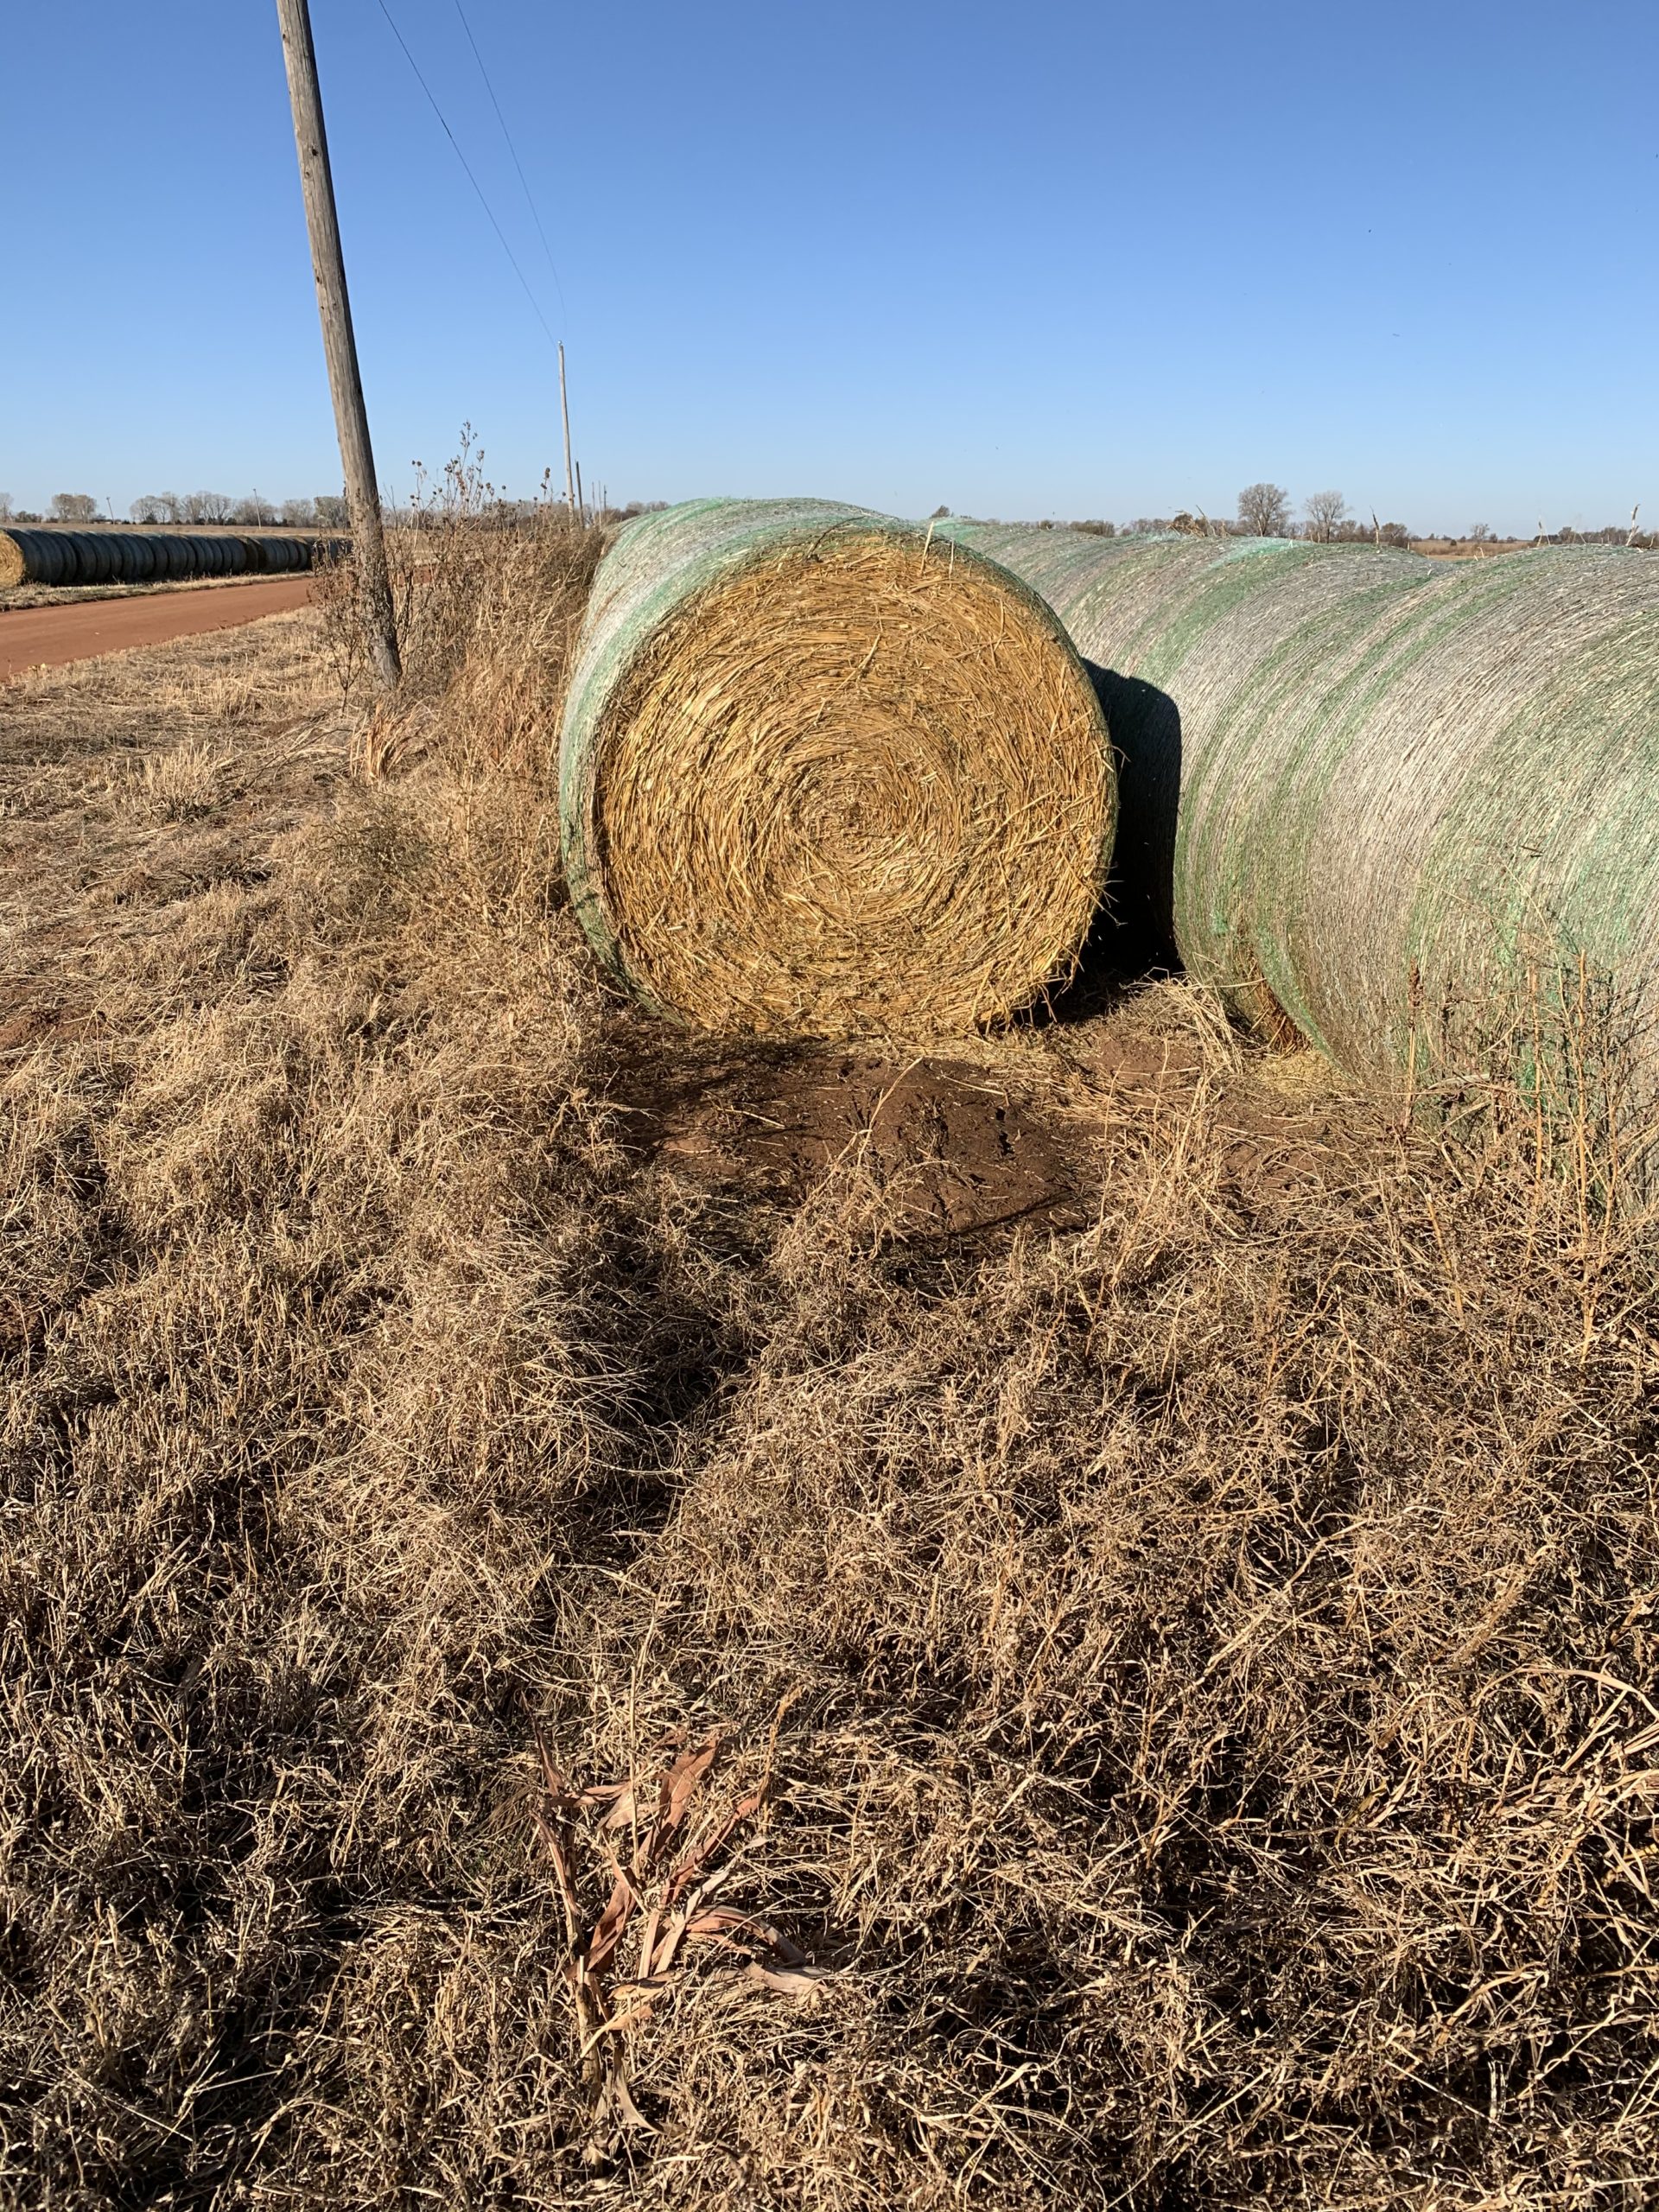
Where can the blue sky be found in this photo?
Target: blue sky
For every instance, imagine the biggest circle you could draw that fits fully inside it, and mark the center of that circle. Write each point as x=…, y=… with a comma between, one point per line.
x=1050, y=259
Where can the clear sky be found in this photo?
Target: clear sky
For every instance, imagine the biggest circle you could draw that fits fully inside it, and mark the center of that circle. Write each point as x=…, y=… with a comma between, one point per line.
x=1023, y=259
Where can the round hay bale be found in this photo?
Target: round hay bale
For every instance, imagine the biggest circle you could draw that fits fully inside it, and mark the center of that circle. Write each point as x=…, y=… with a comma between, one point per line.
x=89, y=567
x=822, y=775
x=48, y=556
x=1403, y=807
x=14, y=560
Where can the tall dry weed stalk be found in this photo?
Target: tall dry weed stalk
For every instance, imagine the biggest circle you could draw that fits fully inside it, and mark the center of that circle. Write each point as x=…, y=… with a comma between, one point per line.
x=489, y=596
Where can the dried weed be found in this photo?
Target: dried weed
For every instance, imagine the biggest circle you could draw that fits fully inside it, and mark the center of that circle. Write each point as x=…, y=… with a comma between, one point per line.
x=1187, y=1681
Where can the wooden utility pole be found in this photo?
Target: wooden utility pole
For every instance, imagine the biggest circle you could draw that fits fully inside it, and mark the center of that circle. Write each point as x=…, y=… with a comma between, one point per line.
x=564, y=409
x=328, y=267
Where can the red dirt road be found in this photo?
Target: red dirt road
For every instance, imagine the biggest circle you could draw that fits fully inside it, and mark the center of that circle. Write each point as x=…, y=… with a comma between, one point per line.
x=31, y=637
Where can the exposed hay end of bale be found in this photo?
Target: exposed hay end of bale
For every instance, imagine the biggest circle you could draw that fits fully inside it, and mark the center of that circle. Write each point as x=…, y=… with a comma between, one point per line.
x=823, y=777
x=13, y=568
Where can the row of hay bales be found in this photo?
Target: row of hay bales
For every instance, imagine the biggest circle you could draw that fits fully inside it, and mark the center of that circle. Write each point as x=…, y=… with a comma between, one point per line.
x=1405, y=810
x=826, y=772
x=133, y=556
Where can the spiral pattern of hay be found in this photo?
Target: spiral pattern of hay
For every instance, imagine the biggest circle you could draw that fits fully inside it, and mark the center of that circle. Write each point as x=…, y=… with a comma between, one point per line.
x=1402, y=804
x=823, y=776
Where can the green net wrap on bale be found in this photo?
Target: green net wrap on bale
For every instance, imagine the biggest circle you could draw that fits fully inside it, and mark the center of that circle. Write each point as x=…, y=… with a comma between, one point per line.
x=1397, y=803
x=824, y=774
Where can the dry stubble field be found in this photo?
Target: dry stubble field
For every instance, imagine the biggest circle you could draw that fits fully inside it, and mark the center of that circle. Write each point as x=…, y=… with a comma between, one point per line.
x=1100, y=1598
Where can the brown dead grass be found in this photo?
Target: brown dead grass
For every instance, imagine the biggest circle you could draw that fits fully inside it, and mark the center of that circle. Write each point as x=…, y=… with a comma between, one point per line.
x=1189, y=1668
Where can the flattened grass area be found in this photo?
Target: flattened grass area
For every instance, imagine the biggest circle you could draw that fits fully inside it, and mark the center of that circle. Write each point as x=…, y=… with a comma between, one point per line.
x=1167, y=1564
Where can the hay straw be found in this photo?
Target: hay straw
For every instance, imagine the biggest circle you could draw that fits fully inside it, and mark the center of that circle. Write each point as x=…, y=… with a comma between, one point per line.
x=821, y=776
x=1392, y=803
x=13, y=568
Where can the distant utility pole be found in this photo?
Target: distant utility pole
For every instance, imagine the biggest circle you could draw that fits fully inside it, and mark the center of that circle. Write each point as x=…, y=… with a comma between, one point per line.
x=328, y=267
x=564, y=409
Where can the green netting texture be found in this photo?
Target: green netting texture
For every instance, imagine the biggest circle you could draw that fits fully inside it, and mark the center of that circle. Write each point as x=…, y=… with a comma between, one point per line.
x=1403, y=797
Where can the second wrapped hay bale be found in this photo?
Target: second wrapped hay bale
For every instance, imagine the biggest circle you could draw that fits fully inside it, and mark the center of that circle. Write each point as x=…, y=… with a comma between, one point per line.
x=823, y=775
x=1407, y=810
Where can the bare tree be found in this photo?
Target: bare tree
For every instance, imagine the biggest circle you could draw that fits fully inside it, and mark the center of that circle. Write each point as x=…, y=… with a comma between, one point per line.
x=255, y=509
x=74, y=506
x=5, y=506
x=1323, y=510
x=209, y=507
x=299, y=514
x=332, y=513
x=1480, y=533
x=1264, y=510
x=147, y=509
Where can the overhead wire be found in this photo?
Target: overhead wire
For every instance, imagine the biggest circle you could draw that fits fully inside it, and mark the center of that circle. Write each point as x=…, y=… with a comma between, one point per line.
x=482, y=201
x=530, y=199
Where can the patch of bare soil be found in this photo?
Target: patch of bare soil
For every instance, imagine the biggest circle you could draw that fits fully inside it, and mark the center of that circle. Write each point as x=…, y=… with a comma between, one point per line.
x=954, y=1149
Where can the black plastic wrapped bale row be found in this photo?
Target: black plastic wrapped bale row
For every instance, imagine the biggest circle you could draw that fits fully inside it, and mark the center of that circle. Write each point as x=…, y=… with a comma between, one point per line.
x=130, y=556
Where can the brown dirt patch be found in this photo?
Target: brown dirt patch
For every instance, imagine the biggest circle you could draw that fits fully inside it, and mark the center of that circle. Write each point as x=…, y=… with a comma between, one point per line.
x=950, y=1145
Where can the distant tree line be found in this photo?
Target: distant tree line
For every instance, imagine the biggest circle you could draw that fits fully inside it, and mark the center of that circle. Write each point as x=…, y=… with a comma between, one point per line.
x=1264, y=511
x=326, y=511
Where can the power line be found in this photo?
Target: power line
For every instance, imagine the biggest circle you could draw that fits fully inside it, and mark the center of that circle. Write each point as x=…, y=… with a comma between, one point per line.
x=470, y=179
x=530, y=202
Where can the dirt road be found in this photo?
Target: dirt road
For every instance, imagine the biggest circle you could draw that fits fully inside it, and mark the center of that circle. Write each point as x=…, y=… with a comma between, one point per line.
x=33, y=636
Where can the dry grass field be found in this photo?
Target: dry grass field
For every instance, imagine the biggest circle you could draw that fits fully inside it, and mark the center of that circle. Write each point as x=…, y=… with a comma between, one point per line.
x=590, y=1616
